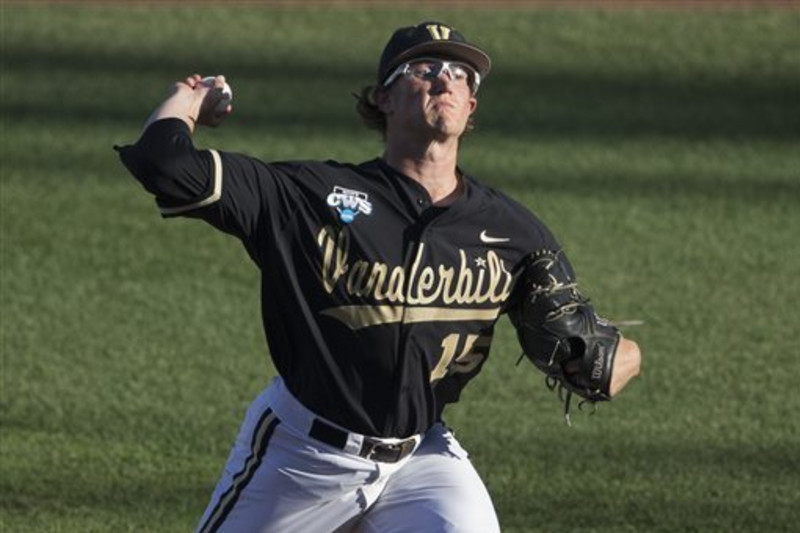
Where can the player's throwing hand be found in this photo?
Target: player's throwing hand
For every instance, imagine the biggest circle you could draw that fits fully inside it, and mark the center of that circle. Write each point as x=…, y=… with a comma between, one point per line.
x=196, y=101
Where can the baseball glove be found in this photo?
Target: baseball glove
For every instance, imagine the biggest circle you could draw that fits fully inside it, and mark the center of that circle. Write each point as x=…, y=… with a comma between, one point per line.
x=560, y=332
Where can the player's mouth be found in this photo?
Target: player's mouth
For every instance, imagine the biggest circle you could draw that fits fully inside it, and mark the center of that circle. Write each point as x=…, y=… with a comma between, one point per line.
x=442, y=104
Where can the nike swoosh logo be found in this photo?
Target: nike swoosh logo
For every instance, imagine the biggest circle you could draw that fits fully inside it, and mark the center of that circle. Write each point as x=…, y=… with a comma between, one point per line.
x=487, y=239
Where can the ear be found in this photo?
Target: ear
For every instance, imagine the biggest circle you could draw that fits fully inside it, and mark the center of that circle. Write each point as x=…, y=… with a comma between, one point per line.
x=473, y=105
x=383, y=100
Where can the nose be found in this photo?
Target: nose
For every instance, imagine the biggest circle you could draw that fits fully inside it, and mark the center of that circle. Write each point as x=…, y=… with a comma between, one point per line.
x=442, y=80
x=445, y=69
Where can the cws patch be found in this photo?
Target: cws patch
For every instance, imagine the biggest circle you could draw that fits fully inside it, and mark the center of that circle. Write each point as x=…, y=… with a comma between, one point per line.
x=349, y=203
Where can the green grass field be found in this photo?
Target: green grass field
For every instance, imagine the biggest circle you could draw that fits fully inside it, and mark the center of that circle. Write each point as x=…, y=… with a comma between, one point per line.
x=660, y=146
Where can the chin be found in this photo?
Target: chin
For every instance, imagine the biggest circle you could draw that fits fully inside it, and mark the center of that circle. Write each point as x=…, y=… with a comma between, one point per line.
x=448, y=128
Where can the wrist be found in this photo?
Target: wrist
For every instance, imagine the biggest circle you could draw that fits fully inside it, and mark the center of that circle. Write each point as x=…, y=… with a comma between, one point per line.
x=181, y=104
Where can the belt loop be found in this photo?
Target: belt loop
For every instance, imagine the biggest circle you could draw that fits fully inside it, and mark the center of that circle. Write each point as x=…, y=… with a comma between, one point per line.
x=354, y=443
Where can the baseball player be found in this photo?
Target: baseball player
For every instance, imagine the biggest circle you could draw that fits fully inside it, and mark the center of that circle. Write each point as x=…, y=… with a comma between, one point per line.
x=381, y=286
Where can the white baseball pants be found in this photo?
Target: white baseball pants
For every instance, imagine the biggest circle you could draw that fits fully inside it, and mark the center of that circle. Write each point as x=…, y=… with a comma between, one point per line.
x=280, y=479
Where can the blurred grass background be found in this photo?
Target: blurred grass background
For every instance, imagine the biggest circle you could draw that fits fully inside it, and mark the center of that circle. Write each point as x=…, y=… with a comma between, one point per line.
x=661, y=146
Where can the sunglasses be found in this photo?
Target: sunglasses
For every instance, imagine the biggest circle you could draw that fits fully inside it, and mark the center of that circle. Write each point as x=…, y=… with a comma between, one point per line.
x=430, y=69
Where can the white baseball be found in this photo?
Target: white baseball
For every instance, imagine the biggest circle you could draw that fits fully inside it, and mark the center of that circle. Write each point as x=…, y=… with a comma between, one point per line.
x=227, y=93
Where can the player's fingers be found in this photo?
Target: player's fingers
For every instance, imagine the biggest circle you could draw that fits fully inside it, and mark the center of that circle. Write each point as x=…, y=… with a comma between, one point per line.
x=216, y=118
x=211, y=82
x=192, y=80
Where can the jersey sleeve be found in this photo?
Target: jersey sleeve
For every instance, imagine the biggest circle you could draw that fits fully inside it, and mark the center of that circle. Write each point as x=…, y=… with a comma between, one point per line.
x=532, y=235
x=236, y=194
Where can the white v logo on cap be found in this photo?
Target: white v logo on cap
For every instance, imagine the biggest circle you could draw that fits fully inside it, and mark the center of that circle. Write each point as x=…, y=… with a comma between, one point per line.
x=438, y=31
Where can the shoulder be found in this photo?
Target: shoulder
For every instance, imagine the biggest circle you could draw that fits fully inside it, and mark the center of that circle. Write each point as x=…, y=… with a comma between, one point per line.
x=494, y=198
x=530, y=230
x=503, y=215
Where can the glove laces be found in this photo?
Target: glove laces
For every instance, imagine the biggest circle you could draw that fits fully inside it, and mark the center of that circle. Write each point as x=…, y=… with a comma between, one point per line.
x=565, y=395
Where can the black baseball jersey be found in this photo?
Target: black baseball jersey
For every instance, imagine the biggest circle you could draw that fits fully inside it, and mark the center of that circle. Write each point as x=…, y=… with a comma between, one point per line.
x=378, y=307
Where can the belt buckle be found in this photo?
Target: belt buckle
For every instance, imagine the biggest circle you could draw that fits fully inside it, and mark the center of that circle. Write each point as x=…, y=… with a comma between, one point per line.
x=386, y=453
x=406, y=447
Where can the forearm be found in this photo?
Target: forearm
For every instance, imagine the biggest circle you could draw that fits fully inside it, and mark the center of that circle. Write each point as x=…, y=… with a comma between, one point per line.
x=181, y=104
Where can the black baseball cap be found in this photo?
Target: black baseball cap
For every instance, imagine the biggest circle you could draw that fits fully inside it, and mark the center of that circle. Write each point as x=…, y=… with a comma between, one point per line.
x=430, y=39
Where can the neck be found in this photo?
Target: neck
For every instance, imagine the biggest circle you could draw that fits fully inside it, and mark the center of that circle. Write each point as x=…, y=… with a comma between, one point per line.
x=433, y=166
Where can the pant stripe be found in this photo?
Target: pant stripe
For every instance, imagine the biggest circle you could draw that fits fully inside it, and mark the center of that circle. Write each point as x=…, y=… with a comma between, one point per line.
x=261, y=435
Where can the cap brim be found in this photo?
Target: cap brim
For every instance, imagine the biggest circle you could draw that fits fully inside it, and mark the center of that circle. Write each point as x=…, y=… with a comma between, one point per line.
x=451, y=49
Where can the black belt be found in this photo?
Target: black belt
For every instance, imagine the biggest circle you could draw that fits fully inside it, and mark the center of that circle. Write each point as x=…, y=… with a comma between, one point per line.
x=372, y=449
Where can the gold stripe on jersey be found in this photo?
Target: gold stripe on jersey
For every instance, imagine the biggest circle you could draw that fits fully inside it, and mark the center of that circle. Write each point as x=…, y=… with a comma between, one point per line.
x=215, y=195
x=446, y=314
x=362, y=316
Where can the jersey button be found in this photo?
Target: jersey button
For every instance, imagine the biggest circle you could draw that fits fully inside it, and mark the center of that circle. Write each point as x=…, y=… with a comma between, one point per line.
x=421, y=202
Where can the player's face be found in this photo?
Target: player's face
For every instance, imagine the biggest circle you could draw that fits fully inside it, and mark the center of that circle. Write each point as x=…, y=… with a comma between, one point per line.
x=431, y=95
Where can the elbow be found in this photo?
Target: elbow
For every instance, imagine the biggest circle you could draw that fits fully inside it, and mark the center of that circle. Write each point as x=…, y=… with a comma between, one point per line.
x=165, y=169
x=166, y=175
x=165, y=161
